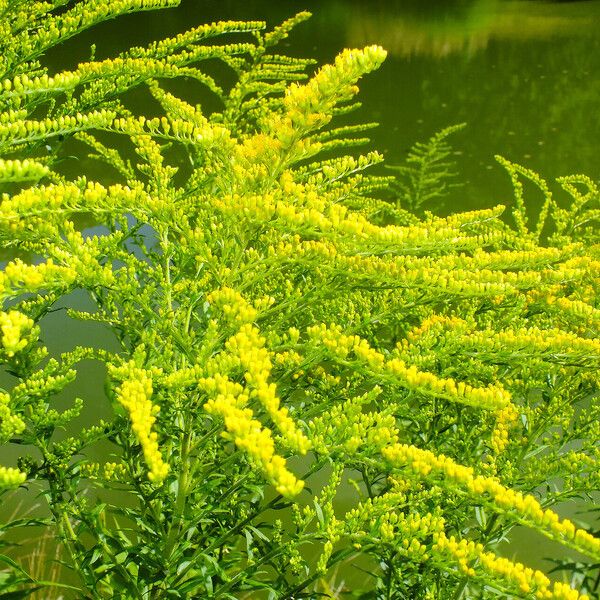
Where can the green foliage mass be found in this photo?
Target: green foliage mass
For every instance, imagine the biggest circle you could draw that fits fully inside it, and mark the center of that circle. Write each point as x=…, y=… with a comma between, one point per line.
x=301, y=385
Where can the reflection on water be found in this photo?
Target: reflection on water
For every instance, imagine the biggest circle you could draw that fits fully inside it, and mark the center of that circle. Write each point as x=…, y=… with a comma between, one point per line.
x=439, y=29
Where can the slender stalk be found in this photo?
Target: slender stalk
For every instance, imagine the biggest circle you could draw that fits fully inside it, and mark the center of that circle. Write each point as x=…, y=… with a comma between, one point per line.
x=182, y=493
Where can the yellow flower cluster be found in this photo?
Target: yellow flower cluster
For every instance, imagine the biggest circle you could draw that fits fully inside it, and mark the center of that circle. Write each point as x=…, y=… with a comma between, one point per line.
x=453, y=273
x=47, y=201
x=347, y=428
x=492, y=397
x=370, y=510
x=505, y=418
x=249, y=346
x=190, y=38
x=32, y=278
x=540, y=340
x=15, y=327
x=266, y=207
x=536, y=258
x=22, y=85
x=410, y=528
x=11, y=478
x=306, y=108
x=524, y=508
x=228, y=400
x=235, y=308
x=455, y=281
x=175, y=129
x=472, y=558
x=21, y=170
x=32, y=41
x=433, y=323
x=134, y=395
x=27, y=131
x=578, y=308
x=10, y=424
x=309, y=106
x=289, y=359
x=110, y=471
x=344, y=166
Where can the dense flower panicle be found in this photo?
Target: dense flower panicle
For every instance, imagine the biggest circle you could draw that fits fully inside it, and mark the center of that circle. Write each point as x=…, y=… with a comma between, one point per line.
x=471, y=558
x=134, y=394
x=505, y=420
x=348, y=428
x=46, y=201
x=16, y=328
x=11, y=478
x=10, y=424
x=433, y=325
x=21, y=170
x=228, y=400
x=233, y=305
x=28, y=41
x=525, y=507
x=583, y=310
x=18, y=276
x=307, y=106
x=29, y=131
x=492, y=397
x=248, y=345
x=552, y=341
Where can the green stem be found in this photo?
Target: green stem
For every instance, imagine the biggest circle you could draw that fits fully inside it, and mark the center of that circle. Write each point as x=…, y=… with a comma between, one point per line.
x=167, y=268
x=235, y=530
x=182, y=492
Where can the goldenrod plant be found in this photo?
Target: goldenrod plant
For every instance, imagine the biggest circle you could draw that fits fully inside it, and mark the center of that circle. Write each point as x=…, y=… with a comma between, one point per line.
x=301, y=389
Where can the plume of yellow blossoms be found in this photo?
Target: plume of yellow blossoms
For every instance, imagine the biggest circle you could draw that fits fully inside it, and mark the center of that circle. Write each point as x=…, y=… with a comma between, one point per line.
x=10, y=424
x=492, y=397
x=524, y=508
x=134, y=395
x=236, y=310
x=468, y=555
x=11, y=478
x=228, y=400
x=21, y=170
x=14, y=326
x=310, y=105
x=248, y=345
x=18, y=276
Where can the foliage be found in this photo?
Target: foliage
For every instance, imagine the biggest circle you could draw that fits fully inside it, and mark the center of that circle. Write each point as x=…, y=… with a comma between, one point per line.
x=428, y=172
x=298, y=385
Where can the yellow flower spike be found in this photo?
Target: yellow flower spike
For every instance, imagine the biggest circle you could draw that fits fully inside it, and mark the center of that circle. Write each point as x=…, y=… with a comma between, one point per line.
x=249, y=435
x=134, y=394
x=15, y=327
x=11, y=478
x=513, y=574
x=10, y=423
x=18, y=277
x=234, y=307
x=505, y=419
x=248, y=346
x=492, y=397
x=526, y=509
